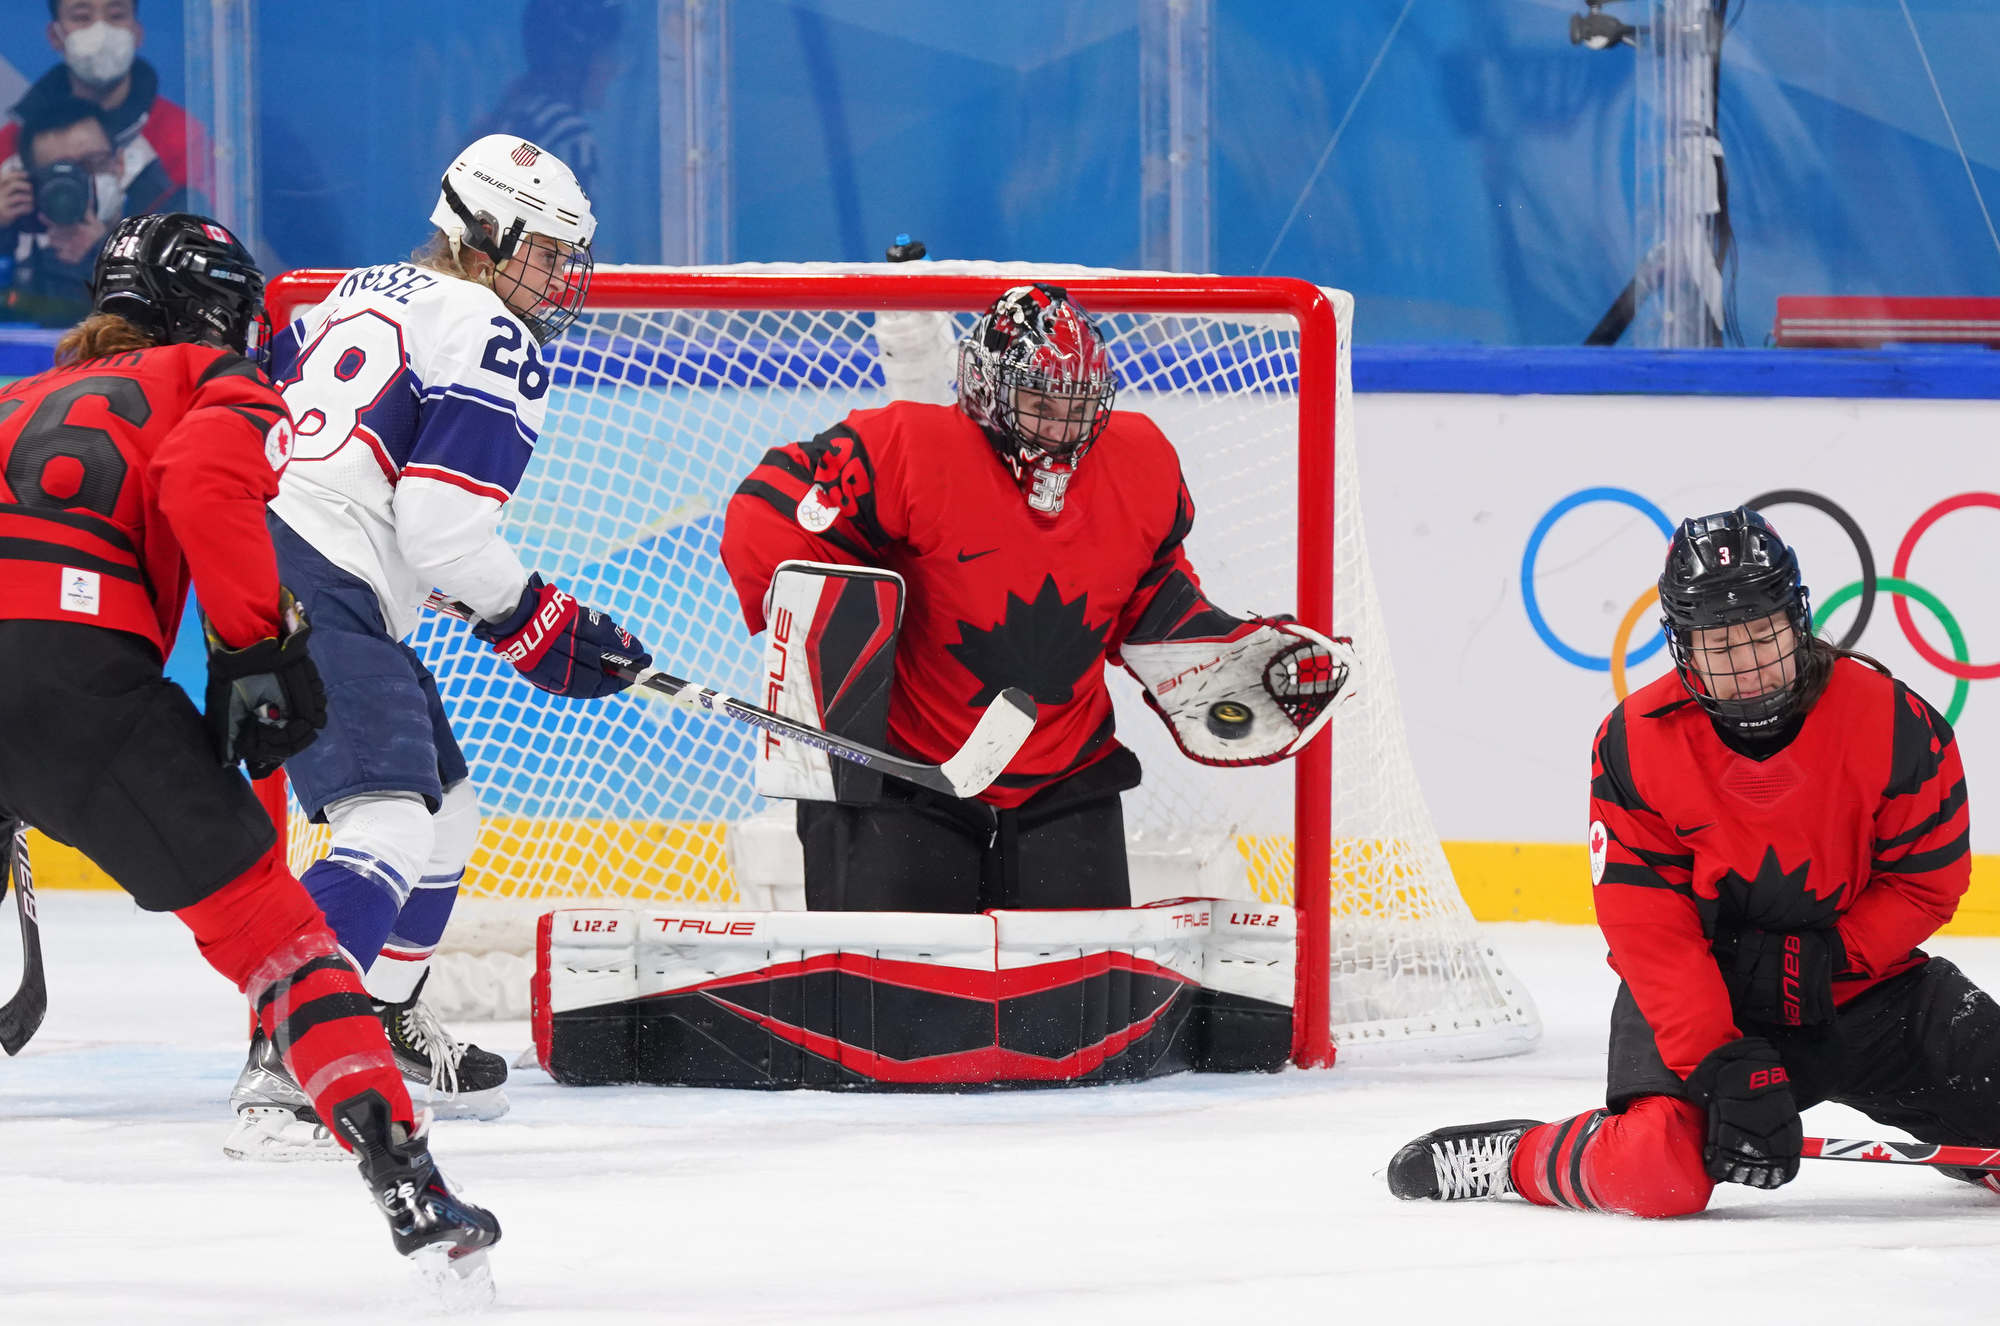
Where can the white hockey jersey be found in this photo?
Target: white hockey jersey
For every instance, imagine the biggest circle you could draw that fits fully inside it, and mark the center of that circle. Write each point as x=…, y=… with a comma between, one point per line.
x=418, y=398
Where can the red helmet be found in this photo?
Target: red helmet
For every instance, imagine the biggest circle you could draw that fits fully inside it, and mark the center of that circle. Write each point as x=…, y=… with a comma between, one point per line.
x=1035, y=374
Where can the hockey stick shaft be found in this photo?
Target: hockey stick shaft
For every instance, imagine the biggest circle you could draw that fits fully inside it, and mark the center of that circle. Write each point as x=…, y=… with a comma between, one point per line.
x=998, y=736
x=22, y=1014
x=1901, y=1153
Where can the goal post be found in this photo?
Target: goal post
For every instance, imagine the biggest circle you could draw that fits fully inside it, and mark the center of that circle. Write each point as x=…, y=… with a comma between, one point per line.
x=677, y=380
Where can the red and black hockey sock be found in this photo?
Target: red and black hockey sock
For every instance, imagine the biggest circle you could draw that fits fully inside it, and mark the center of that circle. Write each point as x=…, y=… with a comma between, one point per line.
x=1645, y=1161
x=262, y=931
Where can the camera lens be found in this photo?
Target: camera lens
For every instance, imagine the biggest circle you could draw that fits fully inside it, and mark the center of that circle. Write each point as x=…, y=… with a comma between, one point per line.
x=63, y=192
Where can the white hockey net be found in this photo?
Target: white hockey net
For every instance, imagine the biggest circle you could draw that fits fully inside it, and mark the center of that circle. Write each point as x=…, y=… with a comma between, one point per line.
x=660, y=410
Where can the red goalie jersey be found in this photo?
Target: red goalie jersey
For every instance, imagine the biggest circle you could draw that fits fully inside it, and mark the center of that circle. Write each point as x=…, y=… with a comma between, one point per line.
x=998, y=594
x=1857, y=825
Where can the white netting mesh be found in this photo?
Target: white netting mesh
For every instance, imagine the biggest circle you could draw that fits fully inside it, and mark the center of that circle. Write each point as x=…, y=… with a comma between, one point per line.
x=660, y=414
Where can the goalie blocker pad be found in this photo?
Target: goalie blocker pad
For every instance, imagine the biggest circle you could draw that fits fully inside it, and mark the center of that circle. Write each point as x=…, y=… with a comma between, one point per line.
x=829, y=660
x=912, y=1001
x=1256, y=695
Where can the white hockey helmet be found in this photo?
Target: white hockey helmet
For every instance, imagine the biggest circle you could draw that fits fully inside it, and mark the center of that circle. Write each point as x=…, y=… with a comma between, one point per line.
x=507, y=198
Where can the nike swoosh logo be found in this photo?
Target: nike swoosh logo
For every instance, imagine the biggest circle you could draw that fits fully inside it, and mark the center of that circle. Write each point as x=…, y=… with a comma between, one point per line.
x=1689, y=833
x=965, y=556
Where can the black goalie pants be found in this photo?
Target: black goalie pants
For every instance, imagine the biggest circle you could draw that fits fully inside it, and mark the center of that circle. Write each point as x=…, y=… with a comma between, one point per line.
x=915, y=851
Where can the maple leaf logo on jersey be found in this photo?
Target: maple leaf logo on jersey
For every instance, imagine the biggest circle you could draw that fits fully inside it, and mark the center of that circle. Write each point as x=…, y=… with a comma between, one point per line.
x=1043, y=646
x=1776, y=898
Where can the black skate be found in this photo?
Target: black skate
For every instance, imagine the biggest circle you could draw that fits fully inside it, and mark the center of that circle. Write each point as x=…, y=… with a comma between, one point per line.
x=442, y=1233
x=1459, y=1163
x=465, y=1081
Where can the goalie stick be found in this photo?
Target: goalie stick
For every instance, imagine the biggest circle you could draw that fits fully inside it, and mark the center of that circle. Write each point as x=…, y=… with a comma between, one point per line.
x=999, y=734
x=1902, y=1153
x=23, y=1012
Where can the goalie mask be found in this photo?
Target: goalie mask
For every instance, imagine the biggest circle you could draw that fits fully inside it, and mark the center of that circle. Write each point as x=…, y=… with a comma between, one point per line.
x=1738, y=620
x=520, y=206
x=1035, y=374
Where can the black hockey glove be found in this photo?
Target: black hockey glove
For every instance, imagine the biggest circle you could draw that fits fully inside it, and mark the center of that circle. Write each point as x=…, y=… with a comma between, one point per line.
x=265, y=701
x=1781, y=978
x=1754, y=1135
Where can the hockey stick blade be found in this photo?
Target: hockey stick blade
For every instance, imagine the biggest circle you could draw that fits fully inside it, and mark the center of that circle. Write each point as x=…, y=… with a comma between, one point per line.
x=1901, y=1153
x=999, y=735
x=22, y=1014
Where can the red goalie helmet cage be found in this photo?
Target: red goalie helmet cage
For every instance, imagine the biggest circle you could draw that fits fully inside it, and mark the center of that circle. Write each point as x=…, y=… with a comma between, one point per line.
x=676, y=381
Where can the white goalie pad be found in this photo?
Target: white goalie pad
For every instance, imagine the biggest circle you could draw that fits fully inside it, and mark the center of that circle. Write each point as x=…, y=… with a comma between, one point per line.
x=841, y=688
x=599, y=956
x=1255, y=696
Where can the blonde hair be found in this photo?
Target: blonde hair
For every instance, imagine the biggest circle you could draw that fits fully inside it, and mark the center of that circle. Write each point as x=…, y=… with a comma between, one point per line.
x=439, y=254
x=98, y=335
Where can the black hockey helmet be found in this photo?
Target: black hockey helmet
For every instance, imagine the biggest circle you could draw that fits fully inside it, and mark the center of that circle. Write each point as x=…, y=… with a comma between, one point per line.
x=1731, y=570
x=181, y=279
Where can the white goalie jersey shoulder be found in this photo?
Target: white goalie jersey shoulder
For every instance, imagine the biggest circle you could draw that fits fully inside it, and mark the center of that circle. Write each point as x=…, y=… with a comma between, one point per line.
x=1254, y=696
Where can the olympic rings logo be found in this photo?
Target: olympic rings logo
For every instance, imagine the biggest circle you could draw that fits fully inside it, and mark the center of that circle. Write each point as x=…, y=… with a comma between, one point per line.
x=1958, y=666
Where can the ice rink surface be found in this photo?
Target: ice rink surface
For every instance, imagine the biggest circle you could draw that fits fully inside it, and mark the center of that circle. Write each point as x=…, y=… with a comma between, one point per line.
x=1196, y=1199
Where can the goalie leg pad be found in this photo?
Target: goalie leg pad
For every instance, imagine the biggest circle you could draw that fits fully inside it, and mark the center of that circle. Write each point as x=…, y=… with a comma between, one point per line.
x=829, y=660
x=909, y=1001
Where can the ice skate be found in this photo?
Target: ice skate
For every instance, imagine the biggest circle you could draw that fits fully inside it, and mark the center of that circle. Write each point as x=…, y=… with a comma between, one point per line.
x=465, y=1081
x=274, y=1118
x=442, y=1234
x=1459, y=1163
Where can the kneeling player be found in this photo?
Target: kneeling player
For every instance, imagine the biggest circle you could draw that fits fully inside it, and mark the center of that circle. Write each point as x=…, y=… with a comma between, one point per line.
x=1039, y=535
x=1776, y=825
x=146, y=456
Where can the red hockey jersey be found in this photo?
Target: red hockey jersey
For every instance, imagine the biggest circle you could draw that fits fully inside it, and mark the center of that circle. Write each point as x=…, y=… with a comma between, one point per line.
x=123, y=475
x=998, y=595
x=1858, y=824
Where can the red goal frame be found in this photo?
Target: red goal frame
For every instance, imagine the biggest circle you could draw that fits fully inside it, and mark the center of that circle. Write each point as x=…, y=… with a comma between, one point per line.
x=616, y=288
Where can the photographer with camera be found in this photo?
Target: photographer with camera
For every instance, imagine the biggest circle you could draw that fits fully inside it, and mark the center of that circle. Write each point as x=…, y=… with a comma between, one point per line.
x=60, y=198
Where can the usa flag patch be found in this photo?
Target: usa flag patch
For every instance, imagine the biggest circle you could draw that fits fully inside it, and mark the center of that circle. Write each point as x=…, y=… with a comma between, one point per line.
x=527, y=154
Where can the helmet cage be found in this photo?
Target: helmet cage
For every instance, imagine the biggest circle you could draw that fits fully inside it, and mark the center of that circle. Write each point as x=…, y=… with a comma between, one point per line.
x=1035, y=373
x=1724, y=574
x=182, y=279
x=1748, y=655
x=549, y=277
x=518, y=252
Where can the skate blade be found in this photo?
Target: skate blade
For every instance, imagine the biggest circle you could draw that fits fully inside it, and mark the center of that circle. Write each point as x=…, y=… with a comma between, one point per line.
x=488, y=1104
x=273, y=1134
x=460, y=1280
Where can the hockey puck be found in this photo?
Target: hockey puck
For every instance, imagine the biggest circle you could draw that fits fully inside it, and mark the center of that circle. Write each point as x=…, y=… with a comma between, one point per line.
x=1229, y=720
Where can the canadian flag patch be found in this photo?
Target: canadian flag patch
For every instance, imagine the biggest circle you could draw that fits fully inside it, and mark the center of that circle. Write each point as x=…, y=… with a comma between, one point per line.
x=1600, y=842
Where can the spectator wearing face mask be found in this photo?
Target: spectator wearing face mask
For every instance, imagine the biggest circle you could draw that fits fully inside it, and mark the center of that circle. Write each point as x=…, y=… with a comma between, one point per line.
x=78, y=186
x=99, y=41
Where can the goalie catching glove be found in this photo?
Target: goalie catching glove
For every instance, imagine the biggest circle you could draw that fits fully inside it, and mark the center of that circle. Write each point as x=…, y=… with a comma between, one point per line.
x=1254, y=696
x=560, y=645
